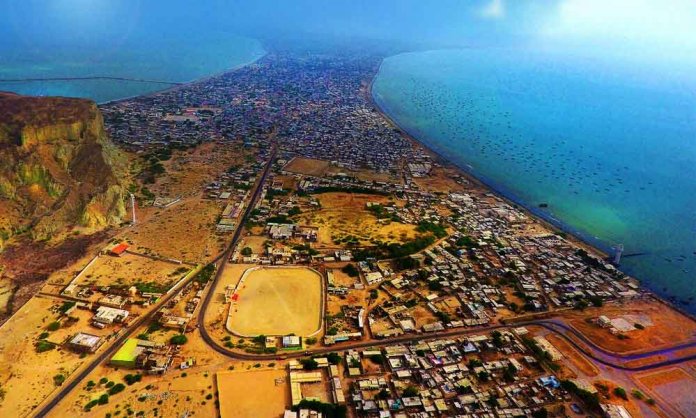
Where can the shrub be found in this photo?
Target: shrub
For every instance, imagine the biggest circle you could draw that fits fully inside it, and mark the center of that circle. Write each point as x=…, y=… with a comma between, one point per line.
x=410, y=392
x=103, y=399
x=334, y=358
x=132, y=378
x=117, y=388
x=377, y=359
x=309, y=364
x=53, y=326
x=179, y=339
x=620, y=392
x=328, y=410
x=58, y=379
x=43, y=346
x=350, y=270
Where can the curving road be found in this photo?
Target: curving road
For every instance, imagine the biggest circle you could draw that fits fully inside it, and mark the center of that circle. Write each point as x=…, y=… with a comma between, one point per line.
x=44, y=409
x=587, y=348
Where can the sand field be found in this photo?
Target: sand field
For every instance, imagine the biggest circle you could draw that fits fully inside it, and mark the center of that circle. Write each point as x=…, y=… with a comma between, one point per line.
x=277, y=301
x=128, y=269
x=344, y=215
x=254, y=393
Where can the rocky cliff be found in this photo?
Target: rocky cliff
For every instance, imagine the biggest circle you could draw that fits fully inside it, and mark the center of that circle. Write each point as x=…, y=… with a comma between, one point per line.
x=57, y=168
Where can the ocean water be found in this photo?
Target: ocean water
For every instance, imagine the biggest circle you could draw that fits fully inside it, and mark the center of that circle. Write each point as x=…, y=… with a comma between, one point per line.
x=172, y=60
x=610, y=148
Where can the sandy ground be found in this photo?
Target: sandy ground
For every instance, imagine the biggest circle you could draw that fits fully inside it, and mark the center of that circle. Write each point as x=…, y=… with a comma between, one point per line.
x=321, y=168
x=27, y=376
x=277, y=301
x=672, y=386
x=578, y=360
x=173, y=393
x=216, y=316
x=129, y=269
x=307, y=166
x=184, y=231
x=188, y=171
x=345, y=214
x=440, y=180
x=253, y=393
x=661, y=333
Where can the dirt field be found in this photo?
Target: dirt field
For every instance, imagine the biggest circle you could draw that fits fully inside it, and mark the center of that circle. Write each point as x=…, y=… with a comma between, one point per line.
x=440, y=180
x=184, y=231
x=661, y=333
x=673, y=386
x=277, y=301
x=171, y=394
x=129, y=269
x=27, y=376
x=365, y=175
x=188, y=171
x=216, y=316
x=262, y=393
x=578, y=360
x=307, y=166
x=345, y=214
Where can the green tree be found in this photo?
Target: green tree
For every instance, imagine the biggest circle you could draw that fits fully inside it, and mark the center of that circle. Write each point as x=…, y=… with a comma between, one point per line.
x=178, y=339
x=410, y=392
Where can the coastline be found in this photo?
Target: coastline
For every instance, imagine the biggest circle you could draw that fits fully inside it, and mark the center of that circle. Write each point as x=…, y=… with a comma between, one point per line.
x=576, y=237
x=188, y=82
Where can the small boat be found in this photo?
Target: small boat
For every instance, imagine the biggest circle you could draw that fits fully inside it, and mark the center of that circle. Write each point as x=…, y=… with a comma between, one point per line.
x=543, y=205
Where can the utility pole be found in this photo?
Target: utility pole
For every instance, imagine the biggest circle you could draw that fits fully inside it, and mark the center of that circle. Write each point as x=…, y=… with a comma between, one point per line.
x=132, y=198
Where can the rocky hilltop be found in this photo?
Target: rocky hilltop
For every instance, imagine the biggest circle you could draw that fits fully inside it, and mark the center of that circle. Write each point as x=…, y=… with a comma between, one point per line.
x=58, y=169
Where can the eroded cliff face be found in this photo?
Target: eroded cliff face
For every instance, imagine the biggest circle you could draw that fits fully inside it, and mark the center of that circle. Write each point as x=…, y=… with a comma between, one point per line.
x=57, y=167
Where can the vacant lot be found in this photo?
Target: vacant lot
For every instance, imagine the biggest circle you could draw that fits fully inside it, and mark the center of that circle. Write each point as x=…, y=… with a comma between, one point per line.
x=674, y=387
x=130, y=269
x=307, y=166
x=253, y=393
x=578, y=360
x=184, y=231
x=277, y=301
x=661, y=333
x=344, y=216
x=26, y=377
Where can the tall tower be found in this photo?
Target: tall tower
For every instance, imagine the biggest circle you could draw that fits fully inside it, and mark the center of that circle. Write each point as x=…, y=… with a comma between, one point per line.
x=618, y=250
x=132, y=198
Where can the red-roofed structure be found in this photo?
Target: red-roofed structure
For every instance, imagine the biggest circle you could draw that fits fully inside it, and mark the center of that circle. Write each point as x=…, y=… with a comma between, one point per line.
x=119, y=249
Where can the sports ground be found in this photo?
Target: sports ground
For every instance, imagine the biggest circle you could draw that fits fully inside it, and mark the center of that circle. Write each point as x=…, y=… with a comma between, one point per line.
x=277, y=301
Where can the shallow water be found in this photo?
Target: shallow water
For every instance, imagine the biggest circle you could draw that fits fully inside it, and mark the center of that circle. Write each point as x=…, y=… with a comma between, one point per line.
x=611, y=150
x=178, y=60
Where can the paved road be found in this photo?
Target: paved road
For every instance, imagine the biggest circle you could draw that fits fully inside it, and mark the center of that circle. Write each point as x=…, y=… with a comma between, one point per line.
x=588, y=348
x=74, y=381
x=222, y=258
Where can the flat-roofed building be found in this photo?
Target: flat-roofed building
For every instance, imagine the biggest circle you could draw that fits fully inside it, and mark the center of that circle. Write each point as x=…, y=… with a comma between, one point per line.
x=84, y=343
x=107, y=315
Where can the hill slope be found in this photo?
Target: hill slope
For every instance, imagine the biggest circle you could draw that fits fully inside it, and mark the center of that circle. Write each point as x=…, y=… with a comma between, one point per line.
x=58, y=168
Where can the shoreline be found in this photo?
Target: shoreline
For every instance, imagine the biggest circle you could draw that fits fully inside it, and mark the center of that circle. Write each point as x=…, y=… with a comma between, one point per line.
x=572, y=234
x=181, y=84
x=577, y=238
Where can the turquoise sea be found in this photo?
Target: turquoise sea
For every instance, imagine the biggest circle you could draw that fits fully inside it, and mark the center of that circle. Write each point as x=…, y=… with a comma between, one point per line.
x=610, y=148
x=172, y=60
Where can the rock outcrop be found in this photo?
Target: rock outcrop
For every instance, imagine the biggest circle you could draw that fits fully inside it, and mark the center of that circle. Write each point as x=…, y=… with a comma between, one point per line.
x=58, y=169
